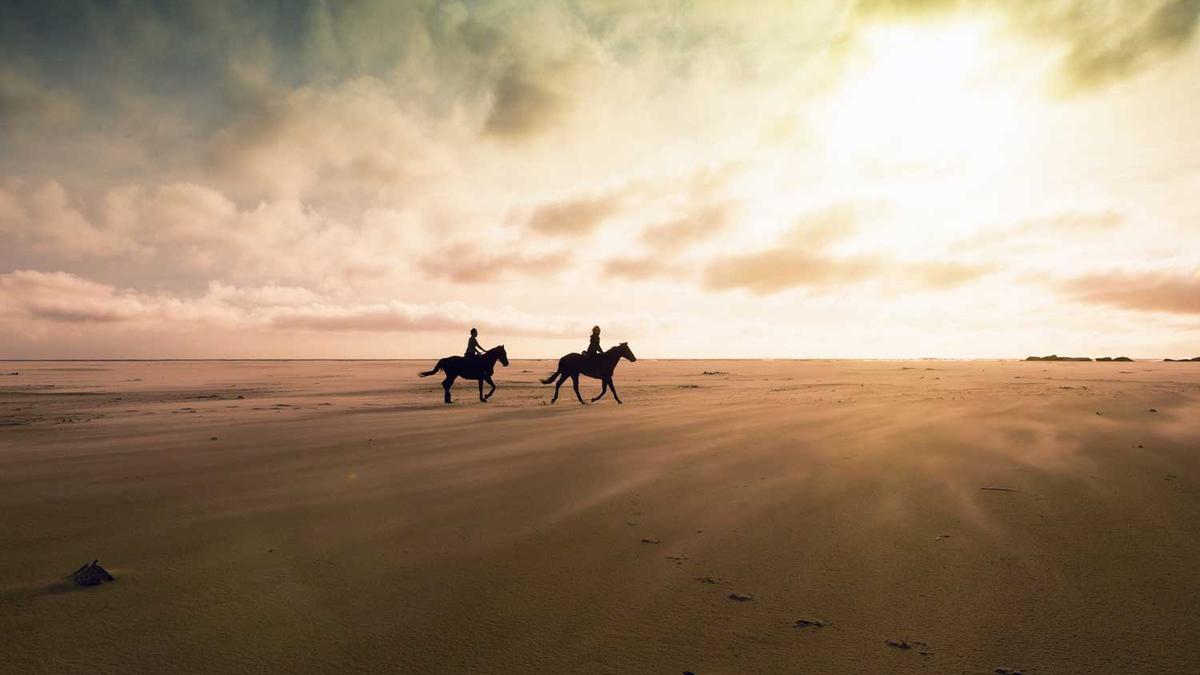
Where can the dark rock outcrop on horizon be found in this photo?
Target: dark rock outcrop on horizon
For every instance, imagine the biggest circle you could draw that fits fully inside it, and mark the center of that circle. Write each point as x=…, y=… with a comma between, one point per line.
x=1105, y=359
x=1195, y=359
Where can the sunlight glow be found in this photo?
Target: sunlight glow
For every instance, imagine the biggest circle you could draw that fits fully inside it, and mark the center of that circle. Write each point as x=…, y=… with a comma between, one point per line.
x=924, y=94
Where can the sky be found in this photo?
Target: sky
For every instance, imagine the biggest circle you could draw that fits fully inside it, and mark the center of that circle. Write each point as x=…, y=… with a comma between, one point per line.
x=808, y=179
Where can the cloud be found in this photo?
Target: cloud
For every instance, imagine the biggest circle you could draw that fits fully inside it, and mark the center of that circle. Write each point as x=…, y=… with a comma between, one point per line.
x=523, y=105
x=823, y=228
x=403, y=317
x=269, y=295
x=1171, y=292
x=804, y=257
x=64, y=298
x=574, y=217
x=185, y=230
x=1102, y=41
x=470, y=264
x=1055, y=226
x=355, y=136
x=772, y=271
x=387, y=317
x=667, y=239
x=27, y=103
x=694, y=199
x=938, y=275
x=799, y=258
x=701, y=224
x=45, y=219
x=1131, y=41
x=641, y=268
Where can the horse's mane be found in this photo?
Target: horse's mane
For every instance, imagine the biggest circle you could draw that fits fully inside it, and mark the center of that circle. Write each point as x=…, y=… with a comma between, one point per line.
x=494, y=349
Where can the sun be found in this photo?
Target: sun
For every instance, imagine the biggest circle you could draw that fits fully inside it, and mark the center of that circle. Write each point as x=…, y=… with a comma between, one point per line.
x=922, y=94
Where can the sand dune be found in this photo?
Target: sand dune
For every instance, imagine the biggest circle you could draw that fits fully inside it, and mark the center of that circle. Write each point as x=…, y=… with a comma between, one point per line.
x=814, y=517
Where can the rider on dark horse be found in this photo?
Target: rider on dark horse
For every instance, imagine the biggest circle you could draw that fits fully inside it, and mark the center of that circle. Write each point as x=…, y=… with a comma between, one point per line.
x=473, y=348
x=594, y=344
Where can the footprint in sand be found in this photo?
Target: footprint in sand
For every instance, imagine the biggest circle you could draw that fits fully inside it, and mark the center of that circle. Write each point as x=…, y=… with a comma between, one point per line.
x=810, y=623
x=741, y=597
x=921, y=647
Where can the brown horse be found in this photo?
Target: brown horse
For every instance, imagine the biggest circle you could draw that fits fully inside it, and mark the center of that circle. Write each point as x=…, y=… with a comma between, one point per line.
x=599, y=366
x=471, y=368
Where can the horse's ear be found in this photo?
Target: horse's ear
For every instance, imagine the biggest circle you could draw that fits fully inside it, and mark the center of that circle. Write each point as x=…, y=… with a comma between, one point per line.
x=624, y=344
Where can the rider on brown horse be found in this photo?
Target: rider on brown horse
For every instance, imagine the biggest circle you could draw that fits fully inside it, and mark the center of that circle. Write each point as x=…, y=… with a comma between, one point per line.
x=599, y=366
x=479, y=368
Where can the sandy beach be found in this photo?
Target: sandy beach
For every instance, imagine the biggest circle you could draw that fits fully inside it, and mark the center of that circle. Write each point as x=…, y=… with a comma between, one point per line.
x=272, y=516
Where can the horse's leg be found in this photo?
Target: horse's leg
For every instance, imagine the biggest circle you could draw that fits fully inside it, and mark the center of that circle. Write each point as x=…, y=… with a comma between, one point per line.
x=613, y=386
x=575, y=384
x=481, y=398
x=603, y=391
x=490, y=391
x=562, y=378
x=446, y=384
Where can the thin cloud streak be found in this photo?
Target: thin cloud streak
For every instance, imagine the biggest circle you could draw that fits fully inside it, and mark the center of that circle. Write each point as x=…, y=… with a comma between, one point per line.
x=61, y=297
x=1171, y=292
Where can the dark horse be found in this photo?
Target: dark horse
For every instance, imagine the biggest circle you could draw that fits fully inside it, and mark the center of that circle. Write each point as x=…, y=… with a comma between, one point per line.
x=599, y=366
x=471, y=368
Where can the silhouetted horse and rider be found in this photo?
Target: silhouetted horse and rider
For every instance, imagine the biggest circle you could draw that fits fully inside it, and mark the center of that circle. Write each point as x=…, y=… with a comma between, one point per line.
x=598, y=365
x=480, y=364
x=476, y=364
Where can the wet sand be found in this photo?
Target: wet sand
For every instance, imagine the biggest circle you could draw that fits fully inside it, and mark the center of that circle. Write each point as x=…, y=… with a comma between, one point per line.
x=266, y=517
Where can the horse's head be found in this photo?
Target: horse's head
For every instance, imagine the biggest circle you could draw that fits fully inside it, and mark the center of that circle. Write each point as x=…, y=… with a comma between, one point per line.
x=626, y=352
x=502, y=355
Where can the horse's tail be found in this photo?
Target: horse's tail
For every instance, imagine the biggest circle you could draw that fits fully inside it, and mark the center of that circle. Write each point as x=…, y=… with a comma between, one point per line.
x=435, y=369
x=553, y=375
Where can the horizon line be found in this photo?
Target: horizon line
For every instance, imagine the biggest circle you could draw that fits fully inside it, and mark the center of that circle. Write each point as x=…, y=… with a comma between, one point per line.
x=549, y=358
